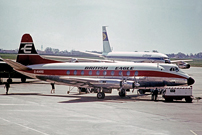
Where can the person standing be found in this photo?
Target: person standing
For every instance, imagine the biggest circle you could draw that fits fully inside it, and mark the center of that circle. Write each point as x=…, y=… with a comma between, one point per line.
x=155, y=94
x=53, y=88
x=7, y=86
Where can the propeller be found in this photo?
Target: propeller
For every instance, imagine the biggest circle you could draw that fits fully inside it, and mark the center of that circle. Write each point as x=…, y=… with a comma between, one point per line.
x=136, y=84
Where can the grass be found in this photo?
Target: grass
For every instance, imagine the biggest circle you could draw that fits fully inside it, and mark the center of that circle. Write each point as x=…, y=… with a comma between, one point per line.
x=196, y=63
x=8, y=56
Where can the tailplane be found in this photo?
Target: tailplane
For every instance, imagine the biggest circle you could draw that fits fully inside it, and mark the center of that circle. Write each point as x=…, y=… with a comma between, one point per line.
x=27, y=54
x=106, y=45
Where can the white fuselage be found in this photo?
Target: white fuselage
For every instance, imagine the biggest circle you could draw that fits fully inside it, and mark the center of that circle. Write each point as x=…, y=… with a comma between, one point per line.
x=146, y=74
x=153, y=57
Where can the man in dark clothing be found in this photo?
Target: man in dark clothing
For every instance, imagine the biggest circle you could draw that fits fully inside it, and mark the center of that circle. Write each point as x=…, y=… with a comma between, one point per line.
x=7, y=86
x=155, y=93
x=53, y=88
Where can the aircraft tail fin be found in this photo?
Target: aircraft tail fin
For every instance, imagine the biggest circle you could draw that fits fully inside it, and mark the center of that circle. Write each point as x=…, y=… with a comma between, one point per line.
x=106, y=45
x=27, y=54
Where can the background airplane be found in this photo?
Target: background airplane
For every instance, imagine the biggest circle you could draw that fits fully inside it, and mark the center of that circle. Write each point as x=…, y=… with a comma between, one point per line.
x=153, y=57
x=6, y=71
x=100, y=77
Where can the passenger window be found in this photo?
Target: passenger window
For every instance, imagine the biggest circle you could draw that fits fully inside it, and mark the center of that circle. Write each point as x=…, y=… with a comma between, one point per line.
x=98, y=72
x=104, y=72
x=90, y=72
x=75, y=72
x=120, y=73
x=136, y=73
x=128, y=73
x=112, y=72
x=82, y=72
x=68, y=72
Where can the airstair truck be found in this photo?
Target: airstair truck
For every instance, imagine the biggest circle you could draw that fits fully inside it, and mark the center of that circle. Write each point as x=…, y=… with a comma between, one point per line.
x=177, y=93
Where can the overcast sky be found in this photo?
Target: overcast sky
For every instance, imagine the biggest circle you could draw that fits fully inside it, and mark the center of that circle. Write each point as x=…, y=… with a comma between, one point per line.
x=169, y=26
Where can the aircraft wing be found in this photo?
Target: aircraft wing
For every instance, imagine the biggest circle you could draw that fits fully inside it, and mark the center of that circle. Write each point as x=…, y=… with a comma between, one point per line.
x=176, y=61
x=95, y=54
x=83, y=82
x=16, y=65
x=71, y=59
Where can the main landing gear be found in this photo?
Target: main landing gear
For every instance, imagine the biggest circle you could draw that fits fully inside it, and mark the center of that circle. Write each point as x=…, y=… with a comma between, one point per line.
x=122, y=93
x=9, y=80
x=100, y=95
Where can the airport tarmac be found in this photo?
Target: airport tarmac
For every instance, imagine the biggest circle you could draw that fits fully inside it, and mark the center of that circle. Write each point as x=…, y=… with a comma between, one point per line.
x=30, y=109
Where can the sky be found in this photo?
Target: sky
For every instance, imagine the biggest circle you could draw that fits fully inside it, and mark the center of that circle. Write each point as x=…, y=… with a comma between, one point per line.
x=168, y=26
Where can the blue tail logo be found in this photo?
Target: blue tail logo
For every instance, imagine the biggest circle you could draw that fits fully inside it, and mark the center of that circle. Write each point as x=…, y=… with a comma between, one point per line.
x=105, y=38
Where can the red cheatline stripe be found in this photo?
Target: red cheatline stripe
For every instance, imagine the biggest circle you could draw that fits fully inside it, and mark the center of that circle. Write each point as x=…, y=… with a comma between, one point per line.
x=116, y=73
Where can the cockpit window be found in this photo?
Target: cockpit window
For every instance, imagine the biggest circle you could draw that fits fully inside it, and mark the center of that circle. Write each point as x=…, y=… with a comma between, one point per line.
x=174, y=69
x=167, y=60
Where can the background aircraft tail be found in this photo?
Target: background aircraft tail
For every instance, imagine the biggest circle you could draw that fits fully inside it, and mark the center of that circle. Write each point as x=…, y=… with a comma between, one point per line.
x=106, y=45
x=27, y=54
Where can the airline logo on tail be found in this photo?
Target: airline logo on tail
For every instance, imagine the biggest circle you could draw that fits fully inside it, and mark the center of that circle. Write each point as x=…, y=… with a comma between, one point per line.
x=27, y=48
x=106, y=45
x=105, y=38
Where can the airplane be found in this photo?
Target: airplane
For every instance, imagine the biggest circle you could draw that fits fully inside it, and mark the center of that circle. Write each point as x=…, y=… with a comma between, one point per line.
x=101, y=77
x=6, y=71
x=151, y=57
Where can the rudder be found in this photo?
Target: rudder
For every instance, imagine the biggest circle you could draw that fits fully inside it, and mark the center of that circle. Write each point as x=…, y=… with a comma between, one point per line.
x=106, y=45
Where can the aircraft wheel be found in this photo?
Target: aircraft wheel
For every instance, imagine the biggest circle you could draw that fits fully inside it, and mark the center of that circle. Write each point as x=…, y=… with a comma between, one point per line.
x=23, y=80
x=188, y=100
x=9, y=80
x=100, y=95
x=122, y=93
x=141, y=91
x=168, y=100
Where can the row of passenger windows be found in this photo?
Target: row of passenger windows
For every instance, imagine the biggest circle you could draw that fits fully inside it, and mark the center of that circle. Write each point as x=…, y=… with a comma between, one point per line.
x=101, y=72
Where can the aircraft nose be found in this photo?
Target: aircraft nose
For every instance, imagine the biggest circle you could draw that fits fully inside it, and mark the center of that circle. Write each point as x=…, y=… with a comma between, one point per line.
x=188, y=66
x=190, y=81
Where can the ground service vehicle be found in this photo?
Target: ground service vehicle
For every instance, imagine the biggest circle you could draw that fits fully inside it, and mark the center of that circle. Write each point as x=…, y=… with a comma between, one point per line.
x=177, y=93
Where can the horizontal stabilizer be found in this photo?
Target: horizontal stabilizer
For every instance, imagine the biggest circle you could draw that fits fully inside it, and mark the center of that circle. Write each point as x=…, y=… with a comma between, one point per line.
x=176, y=61
x=16, y=65
x=70, y=59
x=95, y=54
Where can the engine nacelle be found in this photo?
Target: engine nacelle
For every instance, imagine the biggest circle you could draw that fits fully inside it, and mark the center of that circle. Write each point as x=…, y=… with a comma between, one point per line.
x=115, y=84
x=127, y=84
x=183, y=65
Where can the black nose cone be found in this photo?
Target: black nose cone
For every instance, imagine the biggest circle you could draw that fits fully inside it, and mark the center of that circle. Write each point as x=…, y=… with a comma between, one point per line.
x=190, y=81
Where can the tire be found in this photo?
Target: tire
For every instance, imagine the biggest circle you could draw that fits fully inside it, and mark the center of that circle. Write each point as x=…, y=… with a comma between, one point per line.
x=168, y=100
x=141, y=91
x=100, y=95
x=122, y=94
x=188, y=100
x=23, y=80
x=9, y=80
